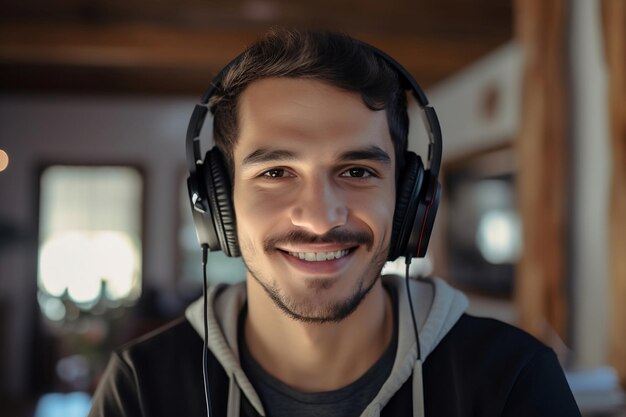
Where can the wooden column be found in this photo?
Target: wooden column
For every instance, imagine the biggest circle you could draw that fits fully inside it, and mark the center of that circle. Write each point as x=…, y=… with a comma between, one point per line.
x=541, y=181
x=614, y=12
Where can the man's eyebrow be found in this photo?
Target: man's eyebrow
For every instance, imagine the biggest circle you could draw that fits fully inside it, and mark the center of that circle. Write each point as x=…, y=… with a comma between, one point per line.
x=371, y=153
x=265, y=155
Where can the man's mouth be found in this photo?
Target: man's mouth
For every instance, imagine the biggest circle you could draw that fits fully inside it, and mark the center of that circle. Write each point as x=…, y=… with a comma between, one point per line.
x=320, y=256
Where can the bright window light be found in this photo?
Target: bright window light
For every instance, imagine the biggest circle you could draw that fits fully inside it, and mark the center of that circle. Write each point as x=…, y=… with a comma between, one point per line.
x=90, y=219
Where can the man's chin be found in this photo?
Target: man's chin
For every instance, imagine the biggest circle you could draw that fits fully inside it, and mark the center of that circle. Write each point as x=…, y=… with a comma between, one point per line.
x=321, y=285
x=307, y=309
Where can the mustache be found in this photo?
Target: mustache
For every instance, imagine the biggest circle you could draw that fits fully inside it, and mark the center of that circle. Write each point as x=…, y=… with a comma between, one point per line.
x=341, y=236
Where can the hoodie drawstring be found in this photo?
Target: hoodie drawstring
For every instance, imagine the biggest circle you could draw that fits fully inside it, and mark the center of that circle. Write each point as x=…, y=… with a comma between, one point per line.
x=418, y=390
x=234, y=398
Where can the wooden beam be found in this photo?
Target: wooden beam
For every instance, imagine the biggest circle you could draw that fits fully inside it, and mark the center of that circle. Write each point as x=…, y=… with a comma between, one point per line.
x=614, y=13
x=424, y=18
x=156, y=59
x=540, y=285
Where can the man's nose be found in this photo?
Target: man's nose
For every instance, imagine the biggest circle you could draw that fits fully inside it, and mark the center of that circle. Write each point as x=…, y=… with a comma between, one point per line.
x=320, y=206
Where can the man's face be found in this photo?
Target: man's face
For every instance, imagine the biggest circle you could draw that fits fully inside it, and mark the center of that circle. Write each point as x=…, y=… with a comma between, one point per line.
x=314, y=195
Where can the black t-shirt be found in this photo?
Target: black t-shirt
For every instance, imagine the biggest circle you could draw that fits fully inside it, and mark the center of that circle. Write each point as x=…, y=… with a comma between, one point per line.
x=281, y=400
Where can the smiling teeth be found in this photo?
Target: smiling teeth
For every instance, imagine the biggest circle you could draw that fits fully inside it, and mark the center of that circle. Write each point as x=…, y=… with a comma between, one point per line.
x=320, y=256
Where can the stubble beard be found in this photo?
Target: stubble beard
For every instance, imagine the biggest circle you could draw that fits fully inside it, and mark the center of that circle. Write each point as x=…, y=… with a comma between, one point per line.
x=309, y=311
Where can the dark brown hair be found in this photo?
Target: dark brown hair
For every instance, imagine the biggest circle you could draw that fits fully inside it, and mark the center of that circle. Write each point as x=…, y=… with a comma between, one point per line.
x=330, y=57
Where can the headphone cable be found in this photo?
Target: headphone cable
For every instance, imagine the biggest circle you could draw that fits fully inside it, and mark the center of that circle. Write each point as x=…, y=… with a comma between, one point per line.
x=407, y=261
x=205, y=349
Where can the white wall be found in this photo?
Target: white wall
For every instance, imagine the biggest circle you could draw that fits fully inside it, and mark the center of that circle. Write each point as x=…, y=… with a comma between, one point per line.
x=459, y=102
x=590, y=134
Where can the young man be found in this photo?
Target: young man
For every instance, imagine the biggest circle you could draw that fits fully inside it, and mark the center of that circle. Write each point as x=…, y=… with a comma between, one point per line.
x=313, y=131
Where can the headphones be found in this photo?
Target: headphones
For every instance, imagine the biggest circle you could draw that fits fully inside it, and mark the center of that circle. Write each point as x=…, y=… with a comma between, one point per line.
x=417, y=195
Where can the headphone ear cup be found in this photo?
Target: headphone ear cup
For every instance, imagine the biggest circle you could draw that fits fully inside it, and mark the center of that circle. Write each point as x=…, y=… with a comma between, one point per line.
x=425, y=218
x=201, y=210
x=219, y=195
x=407, y=199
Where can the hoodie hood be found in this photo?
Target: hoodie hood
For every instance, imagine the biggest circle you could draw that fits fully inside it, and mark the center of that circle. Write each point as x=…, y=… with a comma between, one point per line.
x=437, y=307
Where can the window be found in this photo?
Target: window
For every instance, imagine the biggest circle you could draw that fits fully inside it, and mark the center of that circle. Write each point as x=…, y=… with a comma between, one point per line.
x=90, y=238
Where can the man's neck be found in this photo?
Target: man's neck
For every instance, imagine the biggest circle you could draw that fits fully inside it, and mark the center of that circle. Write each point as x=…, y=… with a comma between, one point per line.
x=313, y=357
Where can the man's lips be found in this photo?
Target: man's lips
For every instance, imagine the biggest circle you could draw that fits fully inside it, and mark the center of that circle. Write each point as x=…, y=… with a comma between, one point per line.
x=297, y=241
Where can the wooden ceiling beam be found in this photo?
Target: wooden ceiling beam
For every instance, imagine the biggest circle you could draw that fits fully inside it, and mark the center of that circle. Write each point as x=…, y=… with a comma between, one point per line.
x=54, y=56
x=402, y=17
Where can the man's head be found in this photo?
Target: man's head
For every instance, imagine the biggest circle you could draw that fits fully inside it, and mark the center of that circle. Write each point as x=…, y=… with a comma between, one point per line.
x=313, y=127
x=329, y=57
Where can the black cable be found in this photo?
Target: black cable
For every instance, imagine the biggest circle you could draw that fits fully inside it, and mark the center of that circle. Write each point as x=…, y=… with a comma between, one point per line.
x=407, y=261
x=205, y=349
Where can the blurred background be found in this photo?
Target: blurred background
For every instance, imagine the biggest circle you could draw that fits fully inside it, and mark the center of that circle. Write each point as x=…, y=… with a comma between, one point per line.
x=96, y=241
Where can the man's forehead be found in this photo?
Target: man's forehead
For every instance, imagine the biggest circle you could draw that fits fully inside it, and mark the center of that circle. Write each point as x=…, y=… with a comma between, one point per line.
x=275, y=92
x=302, y=106
x=288, y=119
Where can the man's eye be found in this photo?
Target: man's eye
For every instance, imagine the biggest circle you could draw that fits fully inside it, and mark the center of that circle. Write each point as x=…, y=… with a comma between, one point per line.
x=357, y=173
x=275, y=173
